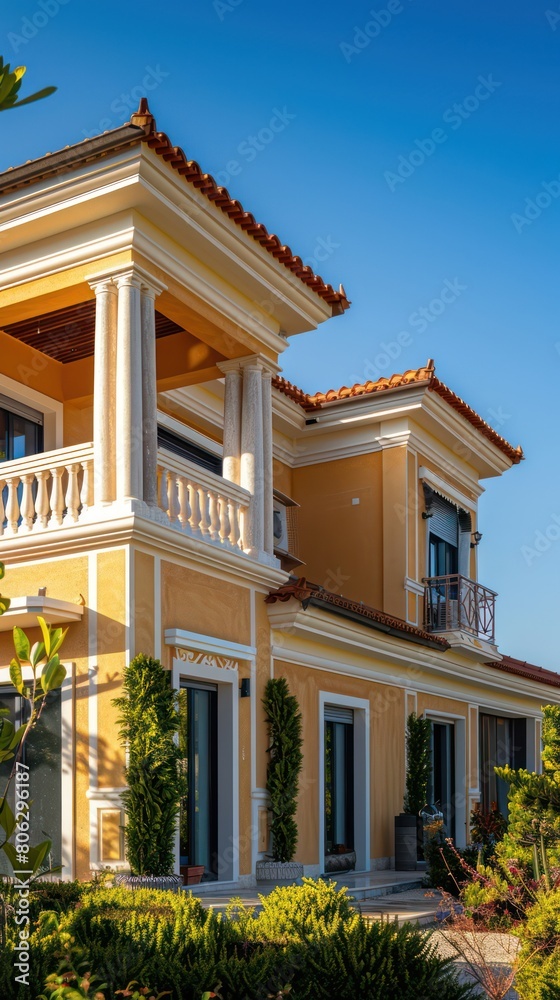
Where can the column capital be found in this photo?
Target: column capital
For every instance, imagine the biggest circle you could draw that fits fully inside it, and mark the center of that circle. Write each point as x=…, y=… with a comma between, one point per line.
x=254, y=361
x=103, y=285
x=126, y=274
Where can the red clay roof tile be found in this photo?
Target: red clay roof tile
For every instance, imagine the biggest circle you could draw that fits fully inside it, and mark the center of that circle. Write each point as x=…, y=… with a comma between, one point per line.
x=416, y=376
x=511, y=665
x=305, y=591
x=205, y=183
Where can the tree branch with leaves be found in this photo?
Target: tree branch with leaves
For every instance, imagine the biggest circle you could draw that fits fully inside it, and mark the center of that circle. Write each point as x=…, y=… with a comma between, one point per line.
x=10, y=84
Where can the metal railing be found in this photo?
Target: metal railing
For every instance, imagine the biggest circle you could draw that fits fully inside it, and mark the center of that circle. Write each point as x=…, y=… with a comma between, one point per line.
x=455, y=602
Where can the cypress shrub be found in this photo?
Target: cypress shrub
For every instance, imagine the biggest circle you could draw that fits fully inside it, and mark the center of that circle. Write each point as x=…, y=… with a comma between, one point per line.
x=284, y=765
x=148, y=722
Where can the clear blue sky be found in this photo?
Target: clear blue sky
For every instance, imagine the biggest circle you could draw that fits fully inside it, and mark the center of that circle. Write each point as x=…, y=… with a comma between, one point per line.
x=469, y=88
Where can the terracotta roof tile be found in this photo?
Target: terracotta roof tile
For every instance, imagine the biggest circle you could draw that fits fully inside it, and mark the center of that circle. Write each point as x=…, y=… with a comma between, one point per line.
x=416, y=376
x=307, y=592
x=511, y=665
x=205, y=183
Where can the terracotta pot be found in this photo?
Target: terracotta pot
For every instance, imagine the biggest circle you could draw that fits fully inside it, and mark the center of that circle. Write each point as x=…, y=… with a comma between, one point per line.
x=192, y=874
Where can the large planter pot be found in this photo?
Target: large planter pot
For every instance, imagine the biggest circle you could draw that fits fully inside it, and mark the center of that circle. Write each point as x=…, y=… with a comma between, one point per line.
x=406, y=842
x=171, y=883
x=192, y=874
x=343, y=861
x=278, y=871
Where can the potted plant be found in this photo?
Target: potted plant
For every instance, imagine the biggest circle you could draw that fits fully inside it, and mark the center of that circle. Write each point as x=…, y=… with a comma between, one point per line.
x=148, y=723
x=284, y=766
x=408, y=829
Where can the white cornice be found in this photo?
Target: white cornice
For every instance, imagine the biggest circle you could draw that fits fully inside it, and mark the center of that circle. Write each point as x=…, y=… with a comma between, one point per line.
x=91, y=535
x=294, y=629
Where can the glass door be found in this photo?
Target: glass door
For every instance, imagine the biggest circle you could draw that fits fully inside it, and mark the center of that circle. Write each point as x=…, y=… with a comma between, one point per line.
x=199, y=805
x=339, y=783
x=441, y=789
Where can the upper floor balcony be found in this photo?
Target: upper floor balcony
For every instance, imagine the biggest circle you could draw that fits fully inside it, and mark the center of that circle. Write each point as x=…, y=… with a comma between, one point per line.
x=56, y=489
x=456, y=603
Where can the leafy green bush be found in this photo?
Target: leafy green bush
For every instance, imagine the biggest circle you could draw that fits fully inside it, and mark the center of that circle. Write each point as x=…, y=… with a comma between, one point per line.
x=538, y=977
x=306, y=937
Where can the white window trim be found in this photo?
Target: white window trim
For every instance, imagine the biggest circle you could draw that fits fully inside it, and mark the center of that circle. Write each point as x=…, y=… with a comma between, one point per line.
x=461, y=777
x=189, y=434
x=362, y=819
x=66, y=762
x=51, y=409
x=227, y=681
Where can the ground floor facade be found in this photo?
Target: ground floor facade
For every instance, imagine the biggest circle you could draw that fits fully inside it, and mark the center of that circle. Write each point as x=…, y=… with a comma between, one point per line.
x=211, y=626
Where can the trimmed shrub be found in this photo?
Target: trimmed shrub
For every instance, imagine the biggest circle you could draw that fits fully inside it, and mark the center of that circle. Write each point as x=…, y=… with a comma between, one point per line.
x=306, y=937
x=538, y=977
x=285, y=760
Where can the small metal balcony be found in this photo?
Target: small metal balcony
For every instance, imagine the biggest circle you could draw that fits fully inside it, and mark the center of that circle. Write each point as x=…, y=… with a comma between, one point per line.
x=454, y=603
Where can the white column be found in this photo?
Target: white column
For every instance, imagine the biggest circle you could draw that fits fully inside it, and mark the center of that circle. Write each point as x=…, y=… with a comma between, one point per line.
x=129, y=438
x=104, y=390
x=232, y=425
x=251, y=465
x=268, y=485
x=149, y=396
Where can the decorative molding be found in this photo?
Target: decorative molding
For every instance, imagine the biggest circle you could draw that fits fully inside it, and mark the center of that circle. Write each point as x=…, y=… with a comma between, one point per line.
x=413, y=586
x=205, y=659
x=208, y=645
x=440, y=485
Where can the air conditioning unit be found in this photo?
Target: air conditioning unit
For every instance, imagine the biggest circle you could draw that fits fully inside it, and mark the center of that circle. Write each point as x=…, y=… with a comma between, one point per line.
x=280, y=528
x=446, y=615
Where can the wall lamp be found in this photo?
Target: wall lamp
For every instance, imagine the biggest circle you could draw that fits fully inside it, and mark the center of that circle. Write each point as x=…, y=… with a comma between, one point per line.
x=476, y=536
x=245, y=687
x=425, y=515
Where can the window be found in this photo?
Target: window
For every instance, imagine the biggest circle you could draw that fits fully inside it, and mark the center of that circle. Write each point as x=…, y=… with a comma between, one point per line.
x=43, y=755
x=502, y=741
x=21, y=430
x=339, y=778
x=449, y=532
x=185, y=449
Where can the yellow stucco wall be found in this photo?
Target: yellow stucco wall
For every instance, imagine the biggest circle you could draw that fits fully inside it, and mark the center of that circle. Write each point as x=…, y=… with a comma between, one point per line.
x=340, y=540
x=199, y=603
x=386, y=753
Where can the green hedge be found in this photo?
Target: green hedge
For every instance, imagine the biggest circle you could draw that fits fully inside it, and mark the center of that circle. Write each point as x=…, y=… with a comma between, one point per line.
x=539, y=960
x=305, y=936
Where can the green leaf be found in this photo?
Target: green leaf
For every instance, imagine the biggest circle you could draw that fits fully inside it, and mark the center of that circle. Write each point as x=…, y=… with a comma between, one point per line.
x=22, y=645
x=7, y=819
x=16, y=677
x=2, y=570
x=37, y=654
x=53, y=674
x=46, y=92
x=46, y=630
x=4, y=604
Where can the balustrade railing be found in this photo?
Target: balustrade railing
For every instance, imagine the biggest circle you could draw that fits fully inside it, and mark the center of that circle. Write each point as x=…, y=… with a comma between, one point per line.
x=53, y=489
x=200, y=503
x=456, y=602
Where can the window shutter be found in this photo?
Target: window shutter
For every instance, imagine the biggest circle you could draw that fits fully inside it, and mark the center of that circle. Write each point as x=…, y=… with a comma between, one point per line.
x=444, y=523
x=335, y=713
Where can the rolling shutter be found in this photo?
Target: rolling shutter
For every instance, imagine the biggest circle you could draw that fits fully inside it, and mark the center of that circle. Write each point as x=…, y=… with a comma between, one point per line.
x=335, y=713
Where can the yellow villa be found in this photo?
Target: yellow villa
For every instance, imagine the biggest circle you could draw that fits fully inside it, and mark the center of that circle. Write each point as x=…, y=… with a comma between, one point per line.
x=164, y=490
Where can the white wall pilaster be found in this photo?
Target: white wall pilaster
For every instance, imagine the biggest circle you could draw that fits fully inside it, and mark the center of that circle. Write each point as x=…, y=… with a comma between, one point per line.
x=149, y=395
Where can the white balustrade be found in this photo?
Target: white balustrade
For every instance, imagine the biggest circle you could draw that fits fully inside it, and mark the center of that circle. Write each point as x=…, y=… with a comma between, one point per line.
x=56, y=489
x=46, y=491
x=201, y=504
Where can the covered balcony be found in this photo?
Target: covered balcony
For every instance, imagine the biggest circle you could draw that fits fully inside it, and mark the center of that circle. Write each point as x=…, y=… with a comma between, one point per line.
x=456, y=603
x=55, y=489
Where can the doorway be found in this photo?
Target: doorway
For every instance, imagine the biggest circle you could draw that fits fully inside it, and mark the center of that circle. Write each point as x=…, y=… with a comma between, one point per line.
x=441, y=787
x=198, y=740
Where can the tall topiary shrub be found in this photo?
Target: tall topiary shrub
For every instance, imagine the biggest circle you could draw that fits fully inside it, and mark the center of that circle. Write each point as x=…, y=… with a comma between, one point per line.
x=284, y=765
x=148, y=722
x=418, y=762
